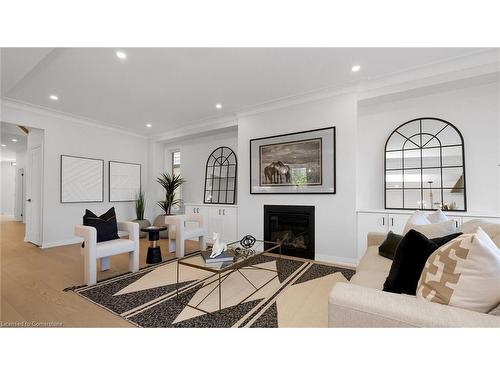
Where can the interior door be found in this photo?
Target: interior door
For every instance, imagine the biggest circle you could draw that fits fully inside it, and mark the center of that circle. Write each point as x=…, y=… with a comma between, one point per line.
x=20, y=196
x=34, y=196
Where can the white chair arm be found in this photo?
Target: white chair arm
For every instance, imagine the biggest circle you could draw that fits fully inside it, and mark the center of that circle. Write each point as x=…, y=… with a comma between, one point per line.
x=175, y=219
x=130, y=227
x=352, y=305
x=88, y=233
x=197, y=218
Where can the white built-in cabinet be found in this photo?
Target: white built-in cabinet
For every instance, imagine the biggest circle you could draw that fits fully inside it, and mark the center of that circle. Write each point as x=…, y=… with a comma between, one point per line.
x=221, y=219
x=383, y=221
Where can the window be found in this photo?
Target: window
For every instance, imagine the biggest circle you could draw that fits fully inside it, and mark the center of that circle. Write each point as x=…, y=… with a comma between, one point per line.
x=176, y=169
x=425, y=166
x=220, y=177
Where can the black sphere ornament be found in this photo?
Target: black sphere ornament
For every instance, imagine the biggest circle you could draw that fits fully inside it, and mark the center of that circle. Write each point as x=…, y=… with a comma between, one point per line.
x=248, y=241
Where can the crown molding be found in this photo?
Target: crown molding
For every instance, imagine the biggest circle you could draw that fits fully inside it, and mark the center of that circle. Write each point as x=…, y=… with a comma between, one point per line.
x=197, y=128
x=482, y=63
x=479, y=64
x=44, y=111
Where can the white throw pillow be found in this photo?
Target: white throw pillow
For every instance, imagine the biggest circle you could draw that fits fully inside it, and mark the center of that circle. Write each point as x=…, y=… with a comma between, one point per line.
x=437, y=217
x=418, y=218
x=436, y=230
x=464, y=273
x=495, y=311
x=491, y=229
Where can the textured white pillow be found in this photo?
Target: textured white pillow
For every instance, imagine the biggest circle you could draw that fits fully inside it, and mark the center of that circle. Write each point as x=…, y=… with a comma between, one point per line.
x=491, y=229
x=437, y=217
x=495, y=311
x=464, y=273
x=436, y=230
x=418, y=218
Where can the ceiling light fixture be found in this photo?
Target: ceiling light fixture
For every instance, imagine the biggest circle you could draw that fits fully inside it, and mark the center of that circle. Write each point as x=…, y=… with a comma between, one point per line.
x=121, y=55
x=54, y=97
x=149, y=126
x=218, y=106
x=14, y=140
x=4, y=145
x=356, y=68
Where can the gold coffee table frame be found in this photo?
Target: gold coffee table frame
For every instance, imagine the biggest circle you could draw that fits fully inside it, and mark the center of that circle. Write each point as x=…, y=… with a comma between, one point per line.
x=224, y=270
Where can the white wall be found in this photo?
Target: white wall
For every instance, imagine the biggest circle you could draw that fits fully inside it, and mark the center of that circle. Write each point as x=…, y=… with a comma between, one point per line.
x=335, y=237
x=64, y=135
x=7, y=188
x=194, y=154
x=475, y=111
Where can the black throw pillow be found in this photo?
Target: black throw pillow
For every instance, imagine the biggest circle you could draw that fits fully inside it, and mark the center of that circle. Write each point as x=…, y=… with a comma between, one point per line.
x=390, y=244
x=409, y=261
x=106, y=226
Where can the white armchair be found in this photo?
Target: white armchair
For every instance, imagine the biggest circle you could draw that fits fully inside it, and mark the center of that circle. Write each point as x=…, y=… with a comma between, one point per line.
x=184, y=227
x=104, y=250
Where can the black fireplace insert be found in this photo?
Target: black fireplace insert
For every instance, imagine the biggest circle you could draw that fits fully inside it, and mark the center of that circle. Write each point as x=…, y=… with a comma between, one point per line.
x=293, y=227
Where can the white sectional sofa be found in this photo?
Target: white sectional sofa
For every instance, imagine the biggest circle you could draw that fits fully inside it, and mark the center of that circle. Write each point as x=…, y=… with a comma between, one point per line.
x=362, y=303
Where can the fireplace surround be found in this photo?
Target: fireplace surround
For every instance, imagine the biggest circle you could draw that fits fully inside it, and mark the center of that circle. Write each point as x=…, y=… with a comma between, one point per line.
x=293, y=226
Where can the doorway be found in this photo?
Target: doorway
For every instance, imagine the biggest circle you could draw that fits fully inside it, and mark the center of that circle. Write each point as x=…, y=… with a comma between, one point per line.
x=34, y=174
x=19, y=209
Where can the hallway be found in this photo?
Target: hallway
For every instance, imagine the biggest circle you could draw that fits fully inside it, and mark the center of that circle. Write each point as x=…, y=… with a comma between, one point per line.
x=32, y=282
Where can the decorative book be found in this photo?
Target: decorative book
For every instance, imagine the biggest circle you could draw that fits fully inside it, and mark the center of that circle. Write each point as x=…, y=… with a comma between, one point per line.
x=226, y=256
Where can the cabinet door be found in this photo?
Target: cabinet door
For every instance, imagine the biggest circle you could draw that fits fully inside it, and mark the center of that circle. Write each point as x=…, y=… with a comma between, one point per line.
x=457, y=219
x=230, y=223
x=215, y=221
x=369, y=222
x=397, y=222
x=199, y=209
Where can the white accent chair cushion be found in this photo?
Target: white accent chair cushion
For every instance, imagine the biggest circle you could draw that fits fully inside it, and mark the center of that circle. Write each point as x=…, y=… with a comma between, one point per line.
x=185, y=227
x=94, y=250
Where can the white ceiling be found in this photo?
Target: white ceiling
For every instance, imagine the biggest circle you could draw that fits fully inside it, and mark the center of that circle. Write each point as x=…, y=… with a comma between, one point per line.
x=174, y=87
x=7, y=133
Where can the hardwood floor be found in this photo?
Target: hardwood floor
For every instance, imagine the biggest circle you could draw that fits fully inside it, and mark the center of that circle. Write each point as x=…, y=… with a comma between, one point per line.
x=32, y=281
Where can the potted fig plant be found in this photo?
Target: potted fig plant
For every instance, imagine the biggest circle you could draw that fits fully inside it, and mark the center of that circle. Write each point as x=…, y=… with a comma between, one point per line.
x=169, y=182
x=140, y=205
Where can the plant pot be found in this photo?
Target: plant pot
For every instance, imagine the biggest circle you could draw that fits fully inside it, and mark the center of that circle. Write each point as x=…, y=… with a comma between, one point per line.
x=160, y=222
x=142, y=224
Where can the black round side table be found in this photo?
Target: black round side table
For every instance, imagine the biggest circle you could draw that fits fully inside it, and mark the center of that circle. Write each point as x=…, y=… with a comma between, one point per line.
x=154, y=251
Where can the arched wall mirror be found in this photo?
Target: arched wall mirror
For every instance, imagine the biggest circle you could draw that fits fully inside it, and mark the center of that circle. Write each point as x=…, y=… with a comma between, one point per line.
x=220, y=177
x=425, y=166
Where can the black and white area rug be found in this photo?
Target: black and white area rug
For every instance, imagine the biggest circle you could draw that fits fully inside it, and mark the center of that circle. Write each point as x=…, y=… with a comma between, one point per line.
x=298, y=297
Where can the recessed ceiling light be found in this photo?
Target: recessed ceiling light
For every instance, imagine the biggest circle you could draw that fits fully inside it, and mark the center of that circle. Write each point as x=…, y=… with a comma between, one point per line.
x=54, y=97
x=356, y=68
x=218, y=106
x=4, y=145
x=149, y=126
x=121, y=55
x=14, y=140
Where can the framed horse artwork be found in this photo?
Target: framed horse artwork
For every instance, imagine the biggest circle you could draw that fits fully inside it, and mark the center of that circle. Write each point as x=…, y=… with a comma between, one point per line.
x=295, y=163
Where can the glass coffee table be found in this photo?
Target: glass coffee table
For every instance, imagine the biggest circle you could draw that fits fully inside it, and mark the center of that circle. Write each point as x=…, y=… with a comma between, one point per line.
x=242, y=256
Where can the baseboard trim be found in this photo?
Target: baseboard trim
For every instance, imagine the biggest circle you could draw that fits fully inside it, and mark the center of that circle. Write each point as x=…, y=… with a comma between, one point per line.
x=72, y=241
x=341, y=261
